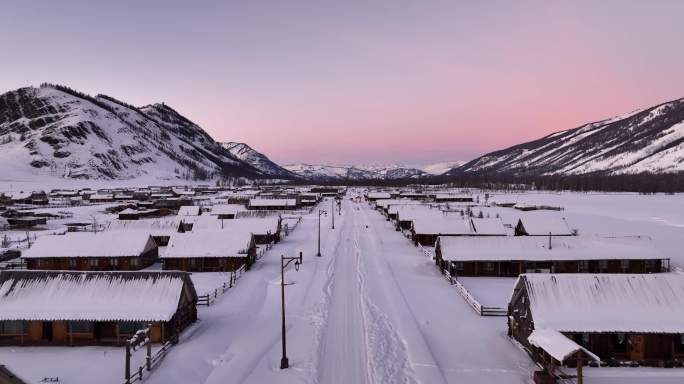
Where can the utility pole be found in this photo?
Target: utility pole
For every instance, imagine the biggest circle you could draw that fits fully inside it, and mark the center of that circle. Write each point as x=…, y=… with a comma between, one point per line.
x=284, y=362
x=332, y=206
x=320, y=212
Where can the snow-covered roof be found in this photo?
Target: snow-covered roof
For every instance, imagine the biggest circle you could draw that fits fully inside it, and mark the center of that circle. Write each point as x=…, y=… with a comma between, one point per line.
x=189, y=210
x=646, y=303
x=409, y=212
x=208, y=243
x=129, y=211
x=226, y=209
x=559, y=346
x=163, y=226
x=378, y=195
x=89, y=244
x=384, y=203
x=519, y=248
x=255, y=225
x=440, y=223
x=90, y=296
x=543, y=224
x=272, y=202
x=489, y=226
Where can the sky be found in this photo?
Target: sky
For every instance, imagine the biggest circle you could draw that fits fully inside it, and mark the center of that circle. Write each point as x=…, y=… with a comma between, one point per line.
x=346, y=82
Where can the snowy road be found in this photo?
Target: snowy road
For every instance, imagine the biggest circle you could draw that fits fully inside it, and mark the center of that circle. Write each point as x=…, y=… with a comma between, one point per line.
x=373, y=309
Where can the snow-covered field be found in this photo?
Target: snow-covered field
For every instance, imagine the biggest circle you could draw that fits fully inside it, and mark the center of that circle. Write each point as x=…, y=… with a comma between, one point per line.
x=372, y=309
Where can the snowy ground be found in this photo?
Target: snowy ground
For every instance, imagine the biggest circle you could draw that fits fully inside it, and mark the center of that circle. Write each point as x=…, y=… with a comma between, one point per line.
x=372, y=309
x=490, y=291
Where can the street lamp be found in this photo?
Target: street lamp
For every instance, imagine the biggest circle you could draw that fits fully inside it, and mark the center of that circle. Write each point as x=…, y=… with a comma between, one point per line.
x=284, y=362
x=320, y=212
x=332, y=211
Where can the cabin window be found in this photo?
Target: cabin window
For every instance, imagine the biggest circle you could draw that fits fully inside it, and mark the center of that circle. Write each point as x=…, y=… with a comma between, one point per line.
x=584, y=265
x=134, y=262
x=603, y=264
x=72, y=262
x=192, y=262
x=92, y=262
x=619, y=341
x=582, y=339
x=81, y=326
x=114, y=261
x=624, y=264
x=131, y=327
x=458, y=265
x=488, y=267
x=650, y=264
x=12, y=327
x=679, y=343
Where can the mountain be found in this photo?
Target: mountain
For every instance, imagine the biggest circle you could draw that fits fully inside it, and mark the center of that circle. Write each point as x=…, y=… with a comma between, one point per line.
x=355, y=172
x=648, y=140
x=441, y=168
x=56, y=131
x=257, y=160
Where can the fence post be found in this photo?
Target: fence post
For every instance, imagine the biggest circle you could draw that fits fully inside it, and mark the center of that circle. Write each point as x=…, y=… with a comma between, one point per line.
x=128, y=362
x=149, y=347
x=140, y=370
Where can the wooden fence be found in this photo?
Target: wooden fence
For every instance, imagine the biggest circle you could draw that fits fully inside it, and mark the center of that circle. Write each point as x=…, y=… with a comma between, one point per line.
x=480, y=309
x=209, y=298
x=138, y=341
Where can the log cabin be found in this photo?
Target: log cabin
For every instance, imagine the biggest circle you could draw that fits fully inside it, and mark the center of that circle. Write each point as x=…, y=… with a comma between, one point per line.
x=93, y=308
x=510, y=256
x=266, y=230
x=88, y=251
x=210, y=251
x=425, y=229
x=543, y=225
x=614, y=318
x=272, y=204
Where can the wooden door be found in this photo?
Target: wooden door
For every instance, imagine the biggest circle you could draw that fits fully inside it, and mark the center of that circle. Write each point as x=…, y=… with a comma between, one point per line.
x=637, y=348
x=47, y=331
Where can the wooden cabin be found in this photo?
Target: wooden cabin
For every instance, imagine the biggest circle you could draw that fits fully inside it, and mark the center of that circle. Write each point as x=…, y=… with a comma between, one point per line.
x=272, y=204
x=210, y=251
x=93, y=308
x=614, y=318
x=543, y=225
x=226, y=211
x=266, y=230
x=88, y=251
x=452, y=198
x=426, y=229
x=510, y=256
x=374, y=196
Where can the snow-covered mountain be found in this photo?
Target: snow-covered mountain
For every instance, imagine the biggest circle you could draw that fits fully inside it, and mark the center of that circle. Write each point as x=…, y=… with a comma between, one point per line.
x=355, y=172
x=56, y=131
x=647, y=140
x=257, y=160
x=441, y=168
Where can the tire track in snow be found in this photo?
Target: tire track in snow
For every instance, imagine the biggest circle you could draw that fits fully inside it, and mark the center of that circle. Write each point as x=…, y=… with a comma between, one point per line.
x=398, y=288
x=388, y=362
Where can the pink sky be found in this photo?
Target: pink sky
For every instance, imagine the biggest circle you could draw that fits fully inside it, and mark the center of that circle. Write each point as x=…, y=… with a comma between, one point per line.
x=347, y=82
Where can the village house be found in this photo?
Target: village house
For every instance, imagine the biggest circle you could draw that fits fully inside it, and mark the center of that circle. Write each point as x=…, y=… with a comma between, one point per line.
x=226, y=211
x=543, y=225
x=266, y=230
x=189, y=210
x=210, y=251
x=452, y=198
x=89, y=251
x=615, y=318
x=427, y=228
x=510, y=255
x=93, y=308
x=272, y=204
x=373, y=196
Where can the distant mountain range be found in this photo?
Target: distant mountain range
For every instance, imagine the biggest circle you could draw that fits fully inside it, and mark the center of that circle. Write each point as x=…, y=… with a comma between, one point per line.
x=56, y=131
x=367, y=172
x=257, y=160
x=648, y=140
